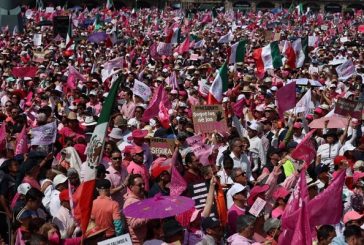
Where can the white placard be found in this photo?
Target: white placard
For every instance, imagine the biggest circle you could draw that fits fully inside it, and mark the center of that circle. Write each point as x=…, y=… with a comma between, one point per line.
x=142, y=90
x=123, y=239
x=257, y=207
x=37, y=39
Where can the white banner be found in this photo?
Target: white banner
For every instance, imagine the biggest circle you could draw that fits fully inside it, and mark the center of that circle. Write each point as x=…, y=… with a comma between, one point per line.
x=44, y=135
x=120, y=240
x=37, y=39
x=165, y=49
x=346, y=70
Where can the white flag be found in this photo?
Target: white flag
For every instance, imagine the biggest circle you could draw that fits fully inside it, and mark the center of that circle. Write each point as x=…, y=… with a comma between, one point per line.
x=142, y=90
x=44, y=135
x=304, y=104
x=226, y=38
x=346, y=70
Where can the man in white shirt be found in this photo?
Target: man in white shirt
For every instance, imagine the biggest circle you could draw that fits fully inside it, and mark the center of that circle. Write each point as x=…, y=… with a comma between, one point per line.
x=256, y=146
x=240, y=158
x=60, y=184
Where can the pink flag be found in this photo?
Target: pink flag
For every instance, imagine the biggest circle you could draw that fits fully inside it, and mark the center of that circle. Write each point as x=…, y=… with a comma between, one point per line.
x=172, y=80
x=163, y=115
x=178, y=184
x=3, y=135
x=73, y=76
x=183, y=47
x=21, y=143
x=302, y=231
x=305, y=150
x=159, y=96
x=238, y=107
x=24, y=71
x=286, y=98
x=206, y=18
x=202, y=152
x=195, y=140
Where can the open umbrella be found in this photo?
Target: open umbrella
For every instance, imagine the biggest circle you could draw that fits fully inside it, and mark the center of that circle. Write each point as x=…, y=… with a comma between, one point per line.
x=305, y=82
x=159, y=207
x=334, y=121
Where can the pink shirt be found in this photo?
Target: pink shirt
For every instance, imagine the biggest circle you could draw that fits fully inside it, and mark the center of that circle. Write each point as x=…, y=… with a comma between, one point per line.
x=128, y=110
x=116, y=178
x=96, y=107
x=140, y=169
x=233, y=214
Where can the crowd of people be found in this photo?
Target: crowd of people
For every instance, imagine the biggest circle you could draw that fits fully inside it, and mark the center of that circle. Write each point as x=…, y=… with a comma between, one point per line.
x=317, y=198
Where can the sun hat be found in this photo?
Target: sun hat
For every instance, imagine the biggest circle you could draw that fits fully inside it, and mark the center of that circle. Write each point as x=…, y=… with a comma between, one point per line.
x=255, y=192
x=116, y=133
x=89, y=121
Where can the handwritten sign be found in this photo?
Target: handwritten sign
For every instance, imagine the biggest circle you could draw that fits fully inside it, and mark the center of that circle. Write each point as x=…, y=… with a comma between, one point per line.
x=159, y=146
x=257, y=207
x=345, y=70
x=208, y=118
x=123, y=239
x=142, y=90
x=347, y=107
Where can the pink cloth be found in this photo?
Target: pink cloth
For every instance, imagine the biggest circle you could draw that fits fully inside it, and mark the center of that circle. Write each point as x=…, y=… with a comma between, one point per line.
x=237, y=239
x=233, y=214
x=128, y=110
x=140, y=169
x=116, y=178
x=277, y=212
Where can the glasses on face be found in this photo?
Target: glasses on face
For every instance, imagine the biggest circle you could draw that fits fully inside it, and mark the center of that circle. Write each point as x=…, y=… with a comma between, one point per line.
x=116, y=158
x=242, y=174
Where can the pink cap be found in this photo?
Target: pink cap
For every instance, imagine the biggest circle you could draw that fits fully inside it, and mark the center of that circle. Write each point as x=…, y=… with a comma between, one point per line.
x=297, y=125
x=352, y=215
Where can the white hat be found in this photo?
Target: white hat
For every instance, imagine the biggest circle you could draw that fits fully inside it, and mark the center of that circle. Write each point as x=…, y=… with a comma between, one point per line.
x=23, y=188
x=116, y=133
x=234, y=189
x=174, y=91
x=254, y=126
x=59, y=179
x=358, y=164
x=225, y=99
x=89, y=121
x=93, y=92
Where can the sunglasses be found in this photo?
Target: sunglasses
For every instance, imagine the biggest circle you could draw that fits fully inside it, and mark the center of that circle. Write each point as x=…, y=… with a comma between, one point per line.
x=116, y=158
x=242, y=174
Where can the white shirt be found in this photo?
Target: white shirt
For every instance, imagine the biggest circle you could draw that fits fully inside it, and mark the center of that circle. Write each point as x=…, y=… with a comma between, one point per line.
x=243, y=163
x=328, y=152
x=54, y=204
x=224, y=178
x=256, y=147
x=63, y=220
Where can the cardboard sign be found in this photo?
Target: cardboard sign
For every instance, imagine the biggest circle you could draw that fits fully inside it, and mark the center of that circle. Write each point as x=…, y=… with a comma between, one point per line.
x=208, y=118
x=160, y=146
x=123, y=239
x=347, y=107
x=165, y=49
x=257, y=207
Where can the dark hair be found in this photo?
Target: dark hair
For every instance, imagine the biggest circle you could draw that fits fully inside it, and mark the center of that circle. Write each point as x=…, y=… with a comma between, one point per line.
x=188, y=158
x=324, y=231
x=352, y=231
x=115, y=151
x=33, y=194
x=35, y=224
x=227, y=161
x=233, y=141
x=152, y=225
x=132, y=178
x=36, y=239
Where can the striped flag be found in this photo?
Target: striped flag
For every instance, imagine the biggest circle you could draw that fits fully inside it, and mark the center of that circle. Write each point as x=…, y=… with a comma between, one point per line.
x=268, y=57
x=226, y=38
x=69, y=39
x=299, y=8
x=296, y=52
x=83, y=196
x=219, y=86
x=238, y=51
x=109, y=4
x=176, y=35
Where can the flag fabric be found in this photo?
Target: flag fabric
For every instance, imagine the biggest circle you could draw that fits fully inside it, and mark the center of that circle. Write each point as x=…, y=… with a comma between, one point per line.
x=30, y=71
x=304, y=104
x=183, y=47
x=83, y=197
x=226, y=38
x=73, y=76
x=237, y=53
x=200, y=44
x=305, y=150
x=21, y=142
x=109, y=4
x=313, y=41
x=172, y=81
x=286, y=98
x=302, y=231
x=238, y=107
x=299, y=8
x=268, y=57
x=178, y=184
x=176, y=35
x=142, y=90
x=44, y=135
x=69, y=38
x=163, y=115
x=219, y=86
x=164, y=49
x=97, y=23
x=152, y=110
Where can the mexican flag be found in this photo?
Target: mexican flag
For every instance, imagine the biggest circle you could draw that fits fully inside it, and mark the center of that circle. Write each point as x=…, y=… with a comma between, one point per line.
x=238, y=51
x=109, y=4
x=299, y=8
x=219, y=86
x=83, y=196
x=296, y=52
x=176, y=36
x=69, y=39
x=268, y=57
x=97, y=22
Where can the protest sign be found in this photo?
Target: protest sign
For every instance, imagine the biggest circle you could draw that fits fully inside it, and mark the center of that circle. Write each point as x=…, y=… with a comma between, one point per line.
x=209, y=118
x=345, y=70
x=44, y=135
x=165, y=49
x=120, y=240
x=142, y=90
x=160, y=146
x=37, y=39
x=257, y=207
x=193, y=140
x=347, y=107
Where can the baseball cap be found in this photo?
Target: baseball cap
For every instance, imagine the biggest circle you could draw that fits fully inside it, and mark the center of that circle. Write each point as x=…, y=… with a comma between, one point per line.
x=236, y=188
x=59, y=179
x=101, y=169
x=23, y=188
x=171, y=227
x=352, y=215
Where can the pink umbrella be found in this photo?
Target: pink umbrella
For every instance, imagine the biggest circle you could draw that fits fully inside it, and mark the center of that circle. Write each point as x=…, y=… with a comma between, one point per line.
x=159, y=207
x=334, y=121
